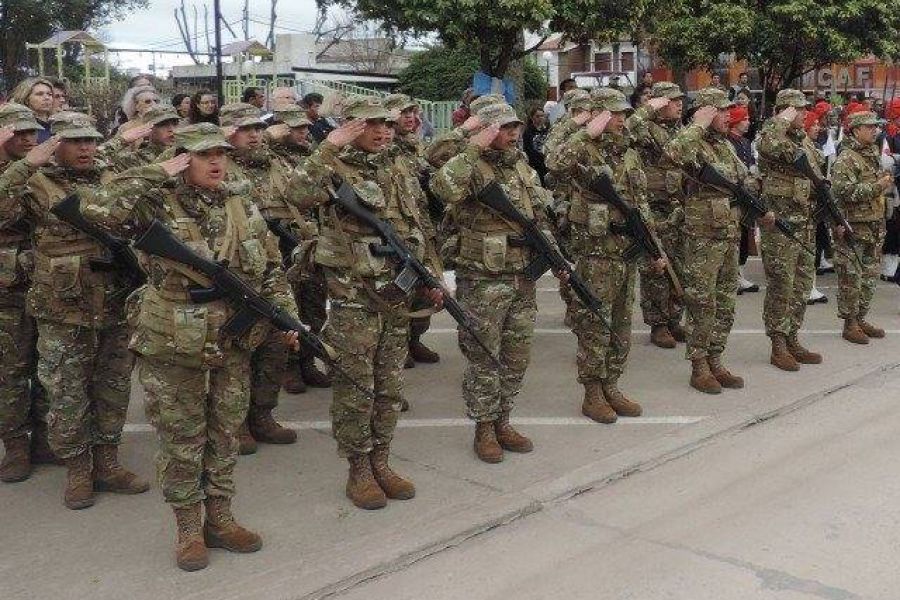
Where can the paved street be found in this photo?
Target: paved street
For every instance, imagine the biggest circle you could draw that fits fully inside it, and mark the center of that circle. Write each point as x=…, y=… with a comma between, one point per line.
x=689, y=501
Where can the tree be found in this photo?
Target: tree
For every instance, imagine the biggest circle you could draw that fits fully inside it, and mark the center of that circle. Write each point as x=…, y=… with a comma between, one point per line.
x=495, y=29
x=29, y=21
x=783, y=39
x=439, y=73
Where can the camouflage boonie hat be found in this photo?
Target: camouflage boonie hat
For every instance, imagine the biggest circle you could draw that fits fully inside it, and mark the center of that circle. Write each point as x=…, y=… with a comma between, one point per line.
x=789, y=97
x=498, y=114
x=73, y=126
x=364, y=107
x=577, y=98
x=159, y=115
x=605, y=98
x=200, y=137
x=712, y=97
x=292, y=115
x=19, y=117
x=666, y=89
x=400, y=102
x=480, y=102
x=863, y=118
x=239, y=114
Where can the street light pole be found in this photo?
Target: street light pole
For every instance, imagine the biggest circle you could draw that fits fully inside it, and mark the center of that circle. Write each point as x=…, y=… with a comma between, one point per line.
x=217, y=15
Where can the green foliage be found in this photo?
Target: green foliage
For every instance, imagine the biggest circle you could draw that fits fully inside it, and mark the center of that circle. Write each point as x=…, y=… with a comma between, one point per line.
x=439, y=73
x=534, y=84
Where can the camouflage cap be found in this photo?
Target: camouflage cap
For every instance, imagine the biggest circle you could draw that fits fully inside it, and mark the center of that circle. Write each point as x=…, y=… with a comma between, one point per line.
x=578, y=99
x=498, y=114
x=18, y=116
x=858, y=119
x=788, y=97
x=160, y=114
x=400, y=102
x=666, y=89
x=712, y=96
x=292, y=115
x=480, y=102
x=200, y=137
x=393, y=116
x=364, y=107
x=72, y=126
x=604, y=98
x=239, y=114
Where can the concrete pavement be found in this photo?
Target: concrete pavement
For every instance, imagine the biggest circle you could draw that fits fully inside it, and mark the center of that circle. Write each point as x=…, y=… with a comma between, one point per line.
x=316, y=544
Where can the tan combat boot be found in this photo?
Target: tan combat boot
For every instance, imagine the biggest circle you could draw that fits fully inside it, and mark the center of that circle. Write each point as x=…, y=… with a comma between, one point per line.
x=870, y=330
x=221, y=530
x=394, y=486
x=780, y=356
x=362, y=489
x=509, y=438
x=661, y=337
x=110, y=476
x=246, y=443
x=853, y=333
x=16, y=465
x=312, y=375
x=190, y=549
x=725, y=377
x=487, y=448
x=617, y=400
x=41, y=453
x=264, y=428
x=803, y=356
x=79, y=482
x=594, y=405
x=422, y=353
x=702, y=378
x=678, y=332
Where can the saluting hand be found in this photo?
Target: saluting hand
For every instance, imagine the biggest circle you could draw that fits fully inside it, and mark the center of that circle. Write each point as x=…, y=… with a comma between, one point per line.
x=704, y=116
x=598, y=124
x=485, y=137
x=788, y=114
x=136, y=133
x=7, y=133
x=176, y=165
x=582, y=117
x=279, y=131
x=472, y=123
x=347, y=133
x=41, y=154
x=658, y=103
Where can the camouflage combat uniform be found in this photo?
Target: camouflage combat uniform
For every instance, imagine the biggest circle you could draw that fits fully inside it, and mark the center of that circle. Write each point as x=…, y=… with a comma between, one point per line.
x=855, y=184
x=789, y=268
x=599, y=249
x=649, y=136
x=23, y=401
x=489, y=275
x=120, y=155
x=711, y=235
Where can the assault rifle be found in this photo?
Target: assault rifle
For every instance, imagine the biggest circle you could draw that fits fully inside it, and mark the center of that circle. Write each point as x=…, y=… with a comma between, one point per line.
x=547, y=256
x=412, y=272
x=287, y=239
x=754, y=206
x=635, y=227
x=826, y=206
x=249, y=305
x=121, y=259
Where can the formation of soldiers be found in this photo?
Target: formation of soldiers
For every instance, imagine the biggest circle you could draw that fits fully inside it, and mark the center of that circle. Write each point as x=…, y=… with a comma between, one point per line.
x=73, y=325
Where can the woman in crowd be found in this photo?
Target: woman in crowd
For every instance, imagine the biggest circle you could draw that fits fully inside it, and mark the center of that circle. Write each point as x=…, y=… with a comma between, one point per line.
x=37, y=94
x=182, y=105
x=204, y=108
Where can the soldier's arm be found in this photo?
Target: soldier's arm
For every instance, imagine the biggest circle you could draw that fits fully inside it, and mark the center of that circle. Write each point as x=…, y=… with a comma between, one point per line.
x=306, y=184
x=14, y=191
x=446, y=147
x=453, y=183
x=848, y=185
x=638, y=126
x=774, y=143
x=568, y=155
x=129, y=202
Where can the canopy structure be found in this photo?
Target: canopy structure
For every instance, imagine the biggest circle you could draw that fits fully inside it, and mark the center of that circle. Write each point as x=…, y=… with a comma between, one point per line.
x=58, y=41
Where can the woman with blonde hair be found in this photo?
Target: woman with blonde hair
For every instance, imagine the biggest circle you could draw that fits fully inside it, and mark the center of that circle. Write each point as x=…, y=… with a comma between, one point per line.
x=37, y=94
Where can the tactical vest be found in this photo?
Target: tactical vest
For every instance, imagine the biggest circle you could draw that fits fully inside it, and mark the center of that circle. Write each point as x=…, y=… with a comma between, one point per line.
x=785, y=189
x=664, y=180
x=168, y=326
x=66, y=289
x=866, y=210
x=708, y=211
x=14, y=239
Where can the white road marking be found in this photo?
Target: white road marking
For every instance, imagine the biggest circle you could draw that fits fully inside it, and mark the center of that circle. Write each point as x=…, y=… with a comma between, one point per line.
x=525, y=421
x=560, y=331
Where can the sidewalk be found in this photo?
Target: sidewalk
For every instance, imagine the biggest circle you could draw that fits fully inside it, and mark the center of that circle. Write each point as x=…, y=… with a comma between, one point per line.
x=317, y=544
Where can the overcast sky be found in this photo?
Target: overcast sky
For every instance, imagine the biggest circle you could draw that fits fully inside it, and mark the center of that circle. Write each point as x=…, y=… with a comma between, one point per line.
x=155, y=26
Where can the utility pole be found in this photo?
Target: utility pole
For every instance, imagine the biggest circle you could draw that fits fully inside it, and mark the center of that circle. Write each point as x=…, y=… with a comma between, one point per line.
x=217, y=15
x=246, y=20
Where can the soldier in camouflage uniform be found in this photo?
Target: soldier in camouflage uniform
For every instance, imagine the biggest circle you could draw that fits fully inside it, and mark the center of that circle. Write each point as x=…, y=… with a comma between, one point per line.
x=859, y=186
x=196, y=379
x=789, y=268
x=23, y=401
x=408, y=155
x=711, y=234
x=269, y=180
x=82, y=338
x=289, y=140
x=490, y=280
x=602, y=145
x=139, y=146
x=650, y=128
x=368, y=324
